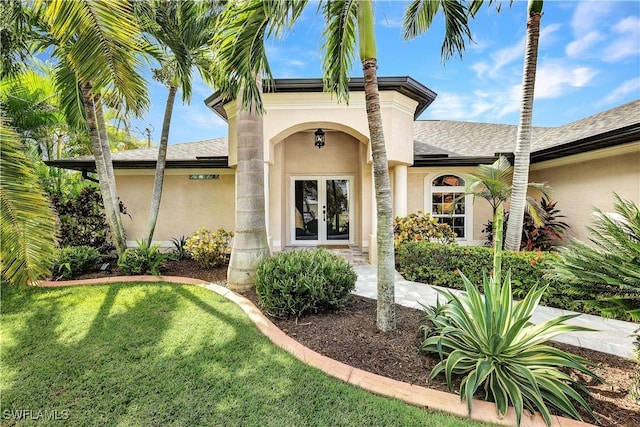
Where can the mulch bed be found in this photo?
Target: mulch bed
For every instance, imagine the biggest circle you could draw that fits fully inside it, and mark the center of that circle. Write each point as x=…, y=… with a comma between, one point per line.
x=350, y=335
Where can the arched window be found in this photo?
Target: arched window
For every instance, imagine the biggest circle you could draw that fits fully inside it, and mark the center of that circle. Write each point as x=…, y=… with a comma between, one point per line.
x=449, y=204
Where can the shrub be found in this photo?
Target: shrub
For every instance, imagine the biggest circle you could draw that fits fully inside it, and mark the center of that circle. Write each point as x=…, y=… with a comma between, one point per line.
x=179, y=251
x=303, y=281
x=440, y=265
x=608, y=269
x=73, y=261
x=421, y=227
x=82, y=220
x=144, y=259
x=535, y=237
x=491, y=342
x=210, y=249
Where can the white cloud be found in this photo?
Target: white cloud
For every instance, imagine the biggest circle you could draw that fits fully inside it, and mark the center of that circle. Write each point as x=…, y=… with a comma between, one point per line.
x=499, y=59
x=628, y=43
x=202, y=120
x=577, y=47
x=547, y=32
x=449, y=106
x=390, y=21
x=629, y=86
x=507, y=55
x=553, y=79
x=509, y=101
x=480, y=68
x=296, y=63
x=588, y=15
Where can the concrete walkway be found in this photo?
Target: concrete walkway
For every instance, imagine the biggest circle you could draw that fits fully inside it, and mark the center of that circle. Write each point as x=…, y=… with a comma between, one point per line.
x=612, y=336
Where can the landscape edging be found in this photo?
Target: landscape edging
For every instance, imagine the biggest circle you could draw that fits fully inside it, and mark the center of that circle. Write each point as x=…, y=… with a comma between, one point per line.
x=412, y=394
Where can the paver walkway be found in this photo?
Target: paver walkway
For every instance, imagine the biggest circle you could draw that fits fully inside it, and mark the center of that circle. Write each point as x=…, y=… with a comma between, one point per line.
x=612, y=336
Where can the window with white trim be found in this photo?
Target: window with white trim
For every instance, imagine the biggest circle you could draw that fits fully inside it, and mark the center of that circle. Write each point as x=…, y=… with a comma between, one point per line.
x=449, y=204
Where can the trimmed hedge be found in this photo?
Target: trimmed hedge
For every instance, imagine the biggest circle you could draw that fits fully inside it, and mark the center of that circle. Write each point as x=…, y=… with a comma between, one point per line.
x=440, y=265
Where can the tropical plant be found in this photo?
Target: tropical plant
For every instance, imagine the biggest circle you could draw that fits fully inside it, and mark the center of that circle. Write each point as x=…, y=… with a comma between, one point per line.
x=179, y=251
x=537, y=237
x=492, y=343
x=81, y=220
x=608, y=268
x=304, y=281
x=210, y=249
x=523, y=139
x=72, y=261
x=145, y=259
x=97, y=47
x=27, y=230
x=184, y=30
x=420, y=227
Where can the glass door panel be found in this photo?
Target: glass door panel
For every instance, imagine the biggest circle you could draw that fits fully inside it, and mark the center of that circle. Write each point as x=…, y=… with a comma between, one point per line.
x=306, y=209
x=322, y=210
x=337, y=209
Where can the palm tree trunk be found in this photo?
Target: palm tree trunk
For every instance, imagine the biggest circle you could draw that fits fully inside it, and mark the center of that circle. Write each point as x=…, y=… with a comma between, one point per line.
x=523, y=142
x=386, y=312
x=106, y=190
x=250, y=243
x=106, y=152
x=160, y=165
x=386, y=318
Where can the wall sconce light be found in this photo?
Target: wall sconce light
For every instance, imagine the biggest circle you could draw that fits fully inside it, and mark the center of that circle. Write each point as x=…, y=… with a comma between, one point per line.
x=319, y=134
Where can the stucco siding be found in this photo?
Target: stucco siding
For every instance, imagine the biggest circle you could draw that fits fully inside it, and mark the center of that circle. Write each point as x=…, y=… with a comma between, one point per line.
x=187, y=205
x=580, y=187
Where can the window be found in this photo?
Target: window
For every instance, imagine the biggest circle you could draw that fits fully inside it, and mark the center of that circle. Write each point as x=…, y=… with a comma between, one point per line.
x=449, y=204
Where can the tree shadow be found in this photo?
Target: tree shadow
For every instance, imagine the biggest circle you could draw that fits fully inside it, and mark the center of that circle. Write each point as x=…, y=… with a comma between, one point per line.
x=161, y=354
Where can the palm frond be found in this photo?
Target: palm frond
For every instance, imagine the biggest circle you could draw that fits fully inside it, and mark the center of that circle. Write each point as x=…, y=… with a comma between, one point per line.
x=28, y=225
x=101, y=43
x=420, y=15
x=339, y=45
x=239, y=45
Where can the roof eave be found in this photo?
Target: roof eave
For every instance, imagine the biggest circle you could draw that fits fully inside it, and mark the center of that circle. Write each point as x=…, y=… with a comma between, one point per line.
x=422, y=160
x=608, y=139
x=221, y=162
x=402, y=84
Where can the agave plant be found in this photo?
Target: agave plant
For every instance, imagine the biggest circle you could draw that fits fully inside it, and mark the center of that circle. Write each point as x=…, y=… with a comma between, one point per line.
x=492, y=343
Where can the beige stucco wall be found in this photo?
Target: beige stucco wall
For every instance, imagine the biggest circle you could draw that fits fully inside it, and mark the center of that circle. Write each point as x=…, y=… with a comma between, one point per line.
x=187, y=205
x=590, y=182
x=297, y=156
x=419, y=180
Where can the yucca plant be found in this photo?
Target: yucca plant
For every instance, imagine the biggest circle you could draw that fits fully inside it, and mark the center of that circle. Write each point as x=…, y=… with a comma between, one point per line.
x=607, y=269
x=492, y=343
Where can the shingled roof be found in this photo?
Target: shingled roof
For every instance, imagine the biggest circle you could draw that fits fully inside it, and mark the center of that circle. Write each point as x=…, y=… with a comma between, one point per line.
x=469, y=142
x=436, y=142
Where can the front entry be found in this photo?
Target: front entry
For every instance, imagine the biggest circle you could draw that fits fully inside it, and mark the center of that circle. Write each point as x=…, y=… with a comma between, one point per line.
x=322, y=210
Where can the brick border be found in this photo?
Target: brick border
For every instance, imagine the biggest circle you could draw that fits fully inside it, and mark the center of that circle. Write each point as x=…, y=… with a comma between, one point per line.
x=412, y=394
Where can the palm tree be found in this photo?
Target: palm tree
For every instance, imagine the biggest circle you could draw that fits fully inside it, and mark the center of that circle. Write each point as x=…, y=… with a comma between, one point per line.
x=523, y=140
x=28, y=231
x=494, y=184
x=97, y=45
x=343, y=20
x=240, y=61
x=184, y=30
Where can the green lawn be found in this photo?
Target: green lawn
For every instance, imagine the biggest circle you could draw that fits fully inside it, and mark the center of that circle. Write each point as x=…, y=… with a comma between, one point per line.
x=160, y=354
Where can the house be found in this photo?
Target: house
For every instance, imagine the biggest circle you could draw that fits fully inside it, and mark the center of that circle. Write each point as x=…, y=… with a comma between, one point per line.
x=324, y=196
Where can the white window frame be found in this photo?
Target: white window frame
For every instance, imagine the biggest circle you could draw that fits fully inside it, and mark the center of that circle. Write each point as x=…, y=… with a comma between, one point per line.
x=429, y=189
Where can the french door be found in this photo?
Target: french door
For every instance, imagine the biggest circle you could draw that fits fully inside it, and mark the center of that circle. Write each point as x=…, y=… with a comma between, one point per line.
x=322, y=210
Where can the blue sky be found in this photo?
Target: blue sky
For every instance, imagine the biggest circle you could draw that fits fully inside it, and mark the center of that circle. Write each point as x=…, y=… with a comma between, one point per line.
x=589, y=61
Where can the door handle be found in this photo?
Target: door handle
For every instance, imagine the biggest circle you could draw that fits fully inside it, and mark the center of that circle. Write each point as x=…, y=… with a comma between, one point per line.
x=324, y=213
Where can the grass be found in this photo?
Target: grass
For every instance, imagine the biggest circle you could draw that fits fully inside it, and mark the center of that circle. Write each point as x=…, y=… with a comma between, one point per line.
x=149, y=354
